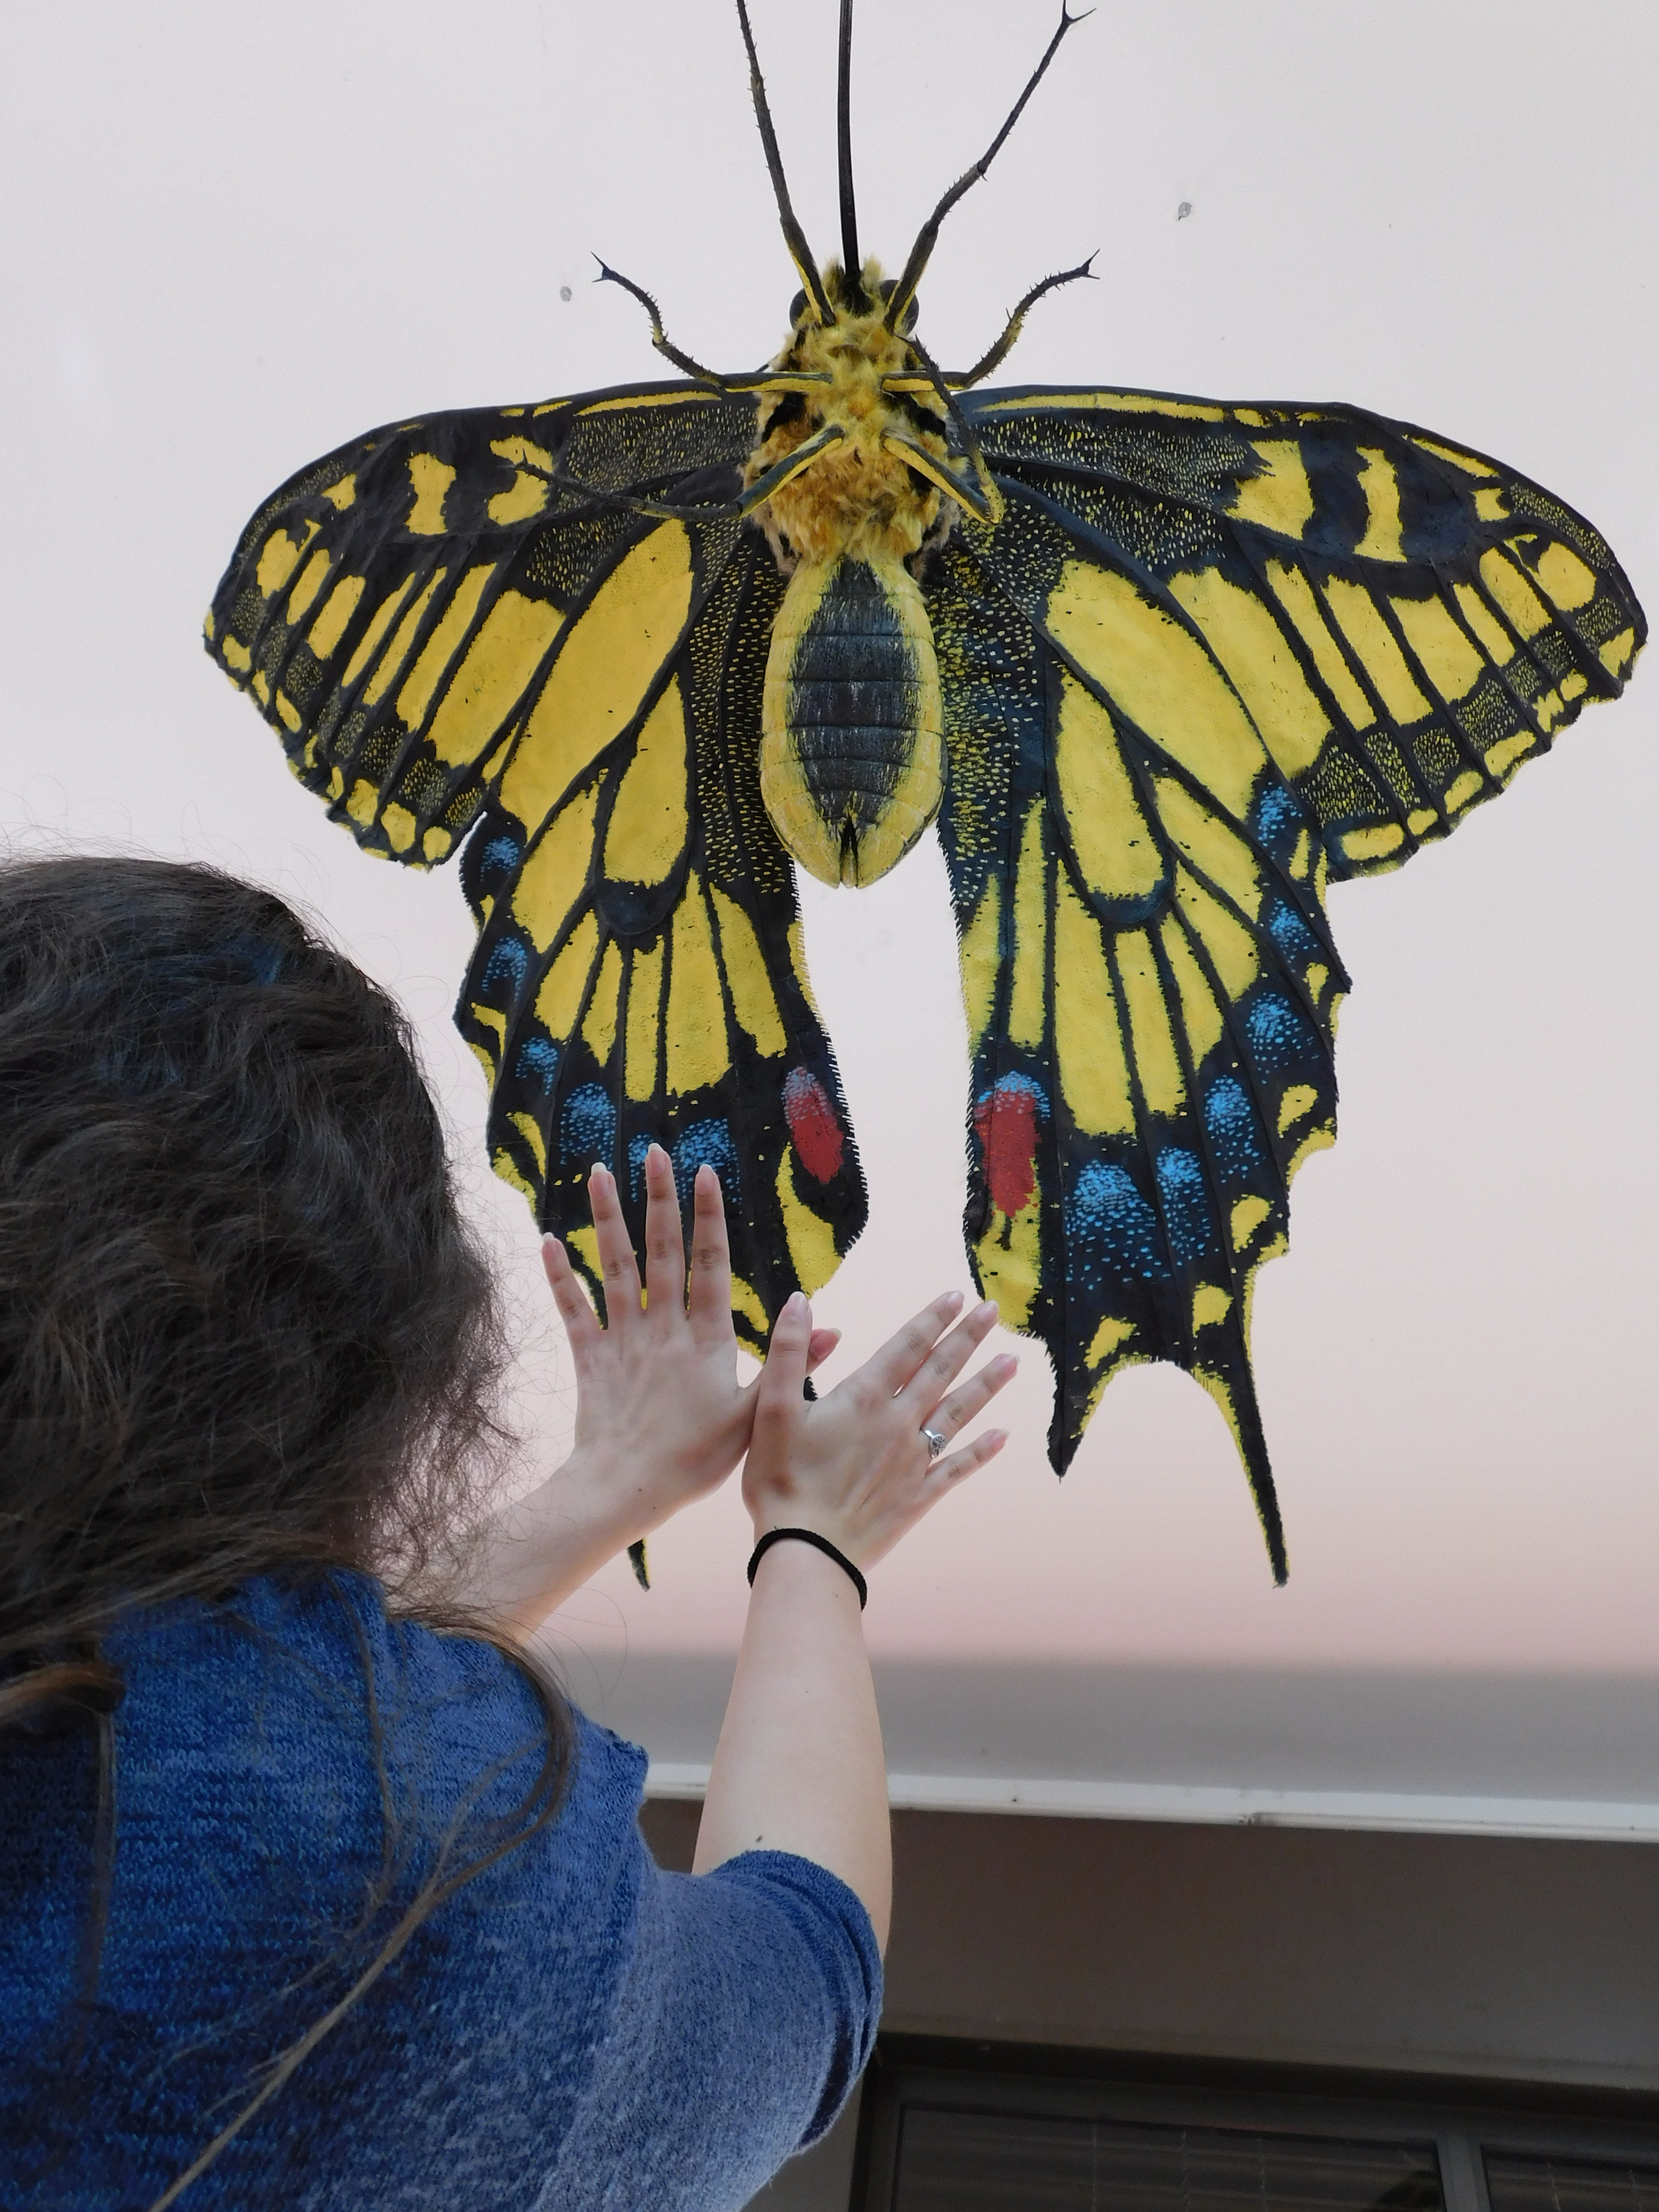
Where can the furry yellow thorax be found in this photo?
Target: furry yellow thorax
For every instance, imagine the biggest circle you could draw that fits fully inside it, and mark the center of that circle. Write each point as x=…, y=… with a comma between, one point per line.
x=857, y=499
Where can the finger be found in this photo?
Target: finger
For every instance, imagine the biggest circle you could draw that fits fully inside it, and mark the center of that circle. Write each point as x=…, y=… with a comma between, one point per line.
x=948, y=1358
x=778, y=1399
x=824, y=1342
x=664, y=1246
x=986, y=1446
x=618, y=1269
x=889, y=1370
x=953, y=1413
x=581, y=1324
x=711, y=1258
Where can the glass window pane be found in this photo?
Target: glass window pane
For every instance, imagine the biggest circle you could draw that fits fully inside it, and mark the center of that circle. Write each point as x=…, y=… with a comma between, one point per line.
x=960, y=2161
x=1555, y=2184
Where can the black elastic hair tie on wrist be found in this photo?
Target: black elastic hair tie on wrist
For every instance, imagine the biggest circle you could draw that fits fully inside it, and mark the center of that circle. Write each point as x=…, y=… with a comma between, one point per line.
x=822, y=1543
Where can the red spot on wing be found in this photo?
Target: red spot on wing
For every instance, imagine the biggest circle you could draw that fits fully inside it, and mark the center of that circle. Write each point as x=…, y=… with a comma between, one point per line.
x=1006, y=1123
x=819, y=1140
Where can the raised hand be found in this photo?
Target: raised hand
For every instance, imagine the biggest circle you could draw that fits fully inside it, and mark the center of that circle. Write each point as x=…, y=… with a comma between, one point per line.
x=856, y=1465
x=661, y=1418
x=659, y=1411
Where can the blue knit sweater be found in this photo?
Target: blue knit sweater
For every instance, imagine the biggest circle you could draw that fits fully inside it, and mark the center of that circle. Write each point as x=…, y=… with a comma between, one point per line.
x=572, y=2028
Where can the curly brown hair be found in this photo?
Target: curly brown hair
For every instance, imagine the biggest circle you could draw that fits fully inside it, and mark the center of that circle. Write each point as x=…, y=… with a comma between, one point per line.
x=243, y=1326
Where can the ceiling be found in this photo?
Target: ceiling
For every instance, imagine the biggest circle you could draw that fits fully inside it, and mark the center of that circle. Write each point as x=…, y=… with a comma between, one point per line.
x=233, y=238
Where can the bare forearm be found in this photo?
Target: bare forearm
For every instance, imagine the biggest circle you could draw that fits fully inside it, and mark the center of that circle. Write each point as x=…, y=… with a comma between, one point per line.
x=799, y=1766
x=527, y=1560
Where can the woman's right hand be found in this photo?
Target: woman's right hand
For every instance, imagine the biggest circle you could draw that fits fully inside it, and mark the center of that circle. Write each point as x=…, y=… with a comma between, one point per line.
x=854, y=1465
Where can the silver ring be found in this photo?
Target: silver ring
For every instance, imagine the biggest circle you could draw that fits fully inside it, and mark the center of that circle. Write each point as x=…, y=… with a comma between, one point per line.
x=934, y=1441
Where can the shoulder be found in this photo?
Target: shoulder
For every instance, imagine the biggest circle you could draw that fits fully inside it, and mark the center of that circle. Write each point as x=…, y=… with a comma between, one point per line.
x=315, y=1700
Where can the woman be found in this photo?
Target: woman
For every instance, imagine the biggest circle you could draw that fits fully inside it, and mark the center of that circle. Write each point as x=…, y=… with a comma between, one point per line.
x=312, y=1893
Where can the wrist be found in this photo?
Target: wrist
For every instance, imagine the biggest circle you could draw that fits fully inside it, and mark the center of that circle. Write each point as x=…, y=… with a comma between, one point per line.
x=782, y=1505
x=813, y=1557
x=594, y=1505
x=785, y=1515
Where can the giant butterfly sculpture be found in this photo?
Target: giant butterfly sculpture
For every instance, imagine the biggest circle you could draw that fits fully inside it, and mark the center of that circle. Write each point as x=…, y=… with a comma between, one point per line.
x=1160, y=669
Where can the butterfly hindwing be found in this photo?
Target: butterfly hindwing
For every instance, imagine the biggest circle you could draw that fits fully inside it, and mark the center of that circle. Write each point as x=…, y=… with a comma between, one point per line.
x=638, y=975
x=1150, y=985
x=1206, y=660
x=452, y=643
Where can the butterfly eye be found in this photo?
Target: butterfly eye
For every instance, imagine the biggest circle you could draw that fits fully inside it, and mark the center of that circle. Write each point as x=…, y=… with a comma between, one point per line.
x=798, y=307
x=886, y=289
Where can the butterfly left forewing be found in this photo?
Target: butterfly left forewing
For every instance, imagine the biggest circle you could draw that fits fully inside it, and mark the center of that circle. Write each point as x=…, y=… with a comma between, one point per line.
x=396, y=609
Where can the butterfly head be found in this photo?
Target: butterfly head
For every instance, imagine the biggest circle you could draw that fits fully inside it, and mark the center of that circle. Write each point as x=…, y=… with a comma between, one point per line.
x=852, y=302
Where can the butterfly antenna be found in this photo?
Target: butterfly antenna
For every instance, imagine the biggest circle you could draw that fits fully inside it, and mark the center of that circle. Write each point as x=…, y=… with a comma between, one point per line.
x=794, y=236
x=852, y=266
x=904, y=291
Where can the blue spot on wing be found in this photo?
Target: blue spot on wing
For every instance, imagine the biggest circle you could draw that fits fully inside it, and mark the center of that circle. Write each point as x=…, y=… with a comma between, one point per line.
x=1235, y=1135
x=588, y=1127
x=509, y=962
x=1111, y=1232
x=1186, y=1205
x=705, y=1143
x=637, y=1149
x=497, y=861
x=1008, y=1087
x=1291, y=934
x=1276, y=817
x=538, y=1062
x=1279, y=1036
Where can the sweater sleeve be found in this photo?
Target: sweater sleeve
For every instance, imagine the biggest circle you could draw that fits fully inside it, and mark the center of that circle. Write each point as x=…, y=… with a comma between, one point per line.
x=747, y=2013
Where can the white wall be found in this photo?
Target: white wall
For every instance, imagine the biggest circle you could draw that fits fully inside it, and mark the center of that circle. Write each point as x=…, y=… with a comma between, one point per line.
x=234, y=236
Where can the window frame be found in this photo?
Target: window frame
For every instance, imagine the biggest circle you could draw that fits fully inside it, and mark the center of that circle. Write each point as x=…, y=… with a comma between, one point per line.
x=1462, y=2119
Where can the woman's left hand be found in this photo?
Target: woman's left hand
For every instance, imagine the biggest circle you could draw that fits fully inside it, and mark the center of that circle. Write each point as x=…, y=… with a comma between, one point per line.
x=659, y=1411
x=661, y=1418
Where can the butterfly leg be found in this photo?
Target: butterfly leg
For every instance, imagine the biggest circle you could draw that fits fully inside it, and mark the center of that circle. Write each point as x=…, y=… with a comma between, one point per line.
x=933, y=380
x=756, y=495
x=762, y=380
x=983, y=508
x=659, y=338
x=904, y=290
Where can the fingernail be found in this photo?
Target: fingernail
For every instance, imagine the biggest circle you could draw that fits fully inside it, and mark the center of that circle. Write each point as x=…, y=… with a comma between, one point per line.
x=597, y=1170
x=795, y=1303
x=996, y=1439
x=953, y=1299
x=656, y=1152
x=986, y=1312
